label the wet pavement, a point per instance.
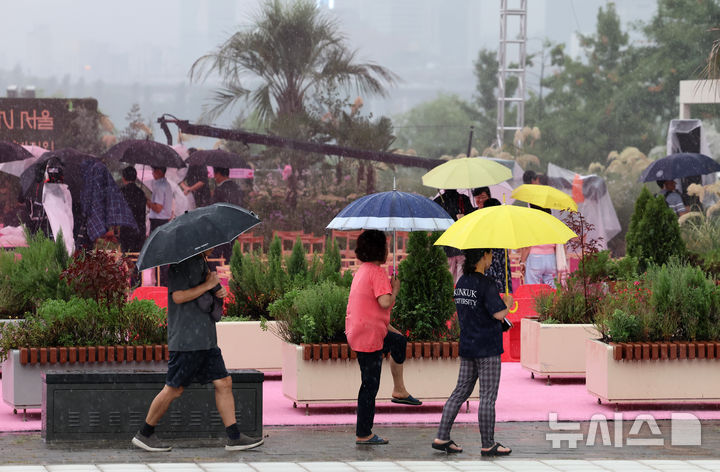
(307, 448)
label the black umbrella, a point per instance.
(217, 158)
(195, 232)
(151, 153)
(675, 166)
(10, 151)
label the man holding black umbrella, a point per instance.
(194, 293)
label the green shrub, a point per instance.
(425, 302)
(256, 282)
(315, 314)
(568, 304)
(685, 302)
(623, 327)
(36, 275)
(654, 234)
(673, 302)
(297, 268)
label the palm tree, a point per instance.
(294, 50)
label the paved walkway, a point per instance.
(332, 448)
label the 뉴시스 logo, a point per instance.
(685, 430)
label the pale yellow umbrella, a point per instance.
(544, 196)
(466, 172)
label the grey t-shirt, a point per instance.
(189, 328)
(674, 201)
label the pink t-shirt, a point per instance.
(543, 249)
(366, 321)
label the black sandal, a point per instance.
(493, 451)
(447, 447)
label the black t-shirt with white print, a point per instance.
(476, 299)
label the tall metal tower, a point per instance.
(515, 48)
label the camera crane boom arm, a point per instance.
(278, 141)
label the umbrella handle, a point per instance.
(514, 308)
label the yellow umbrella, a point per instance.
(505, 226)
(544, 196)
(466, 172)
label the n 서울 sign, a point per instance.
(44, 122)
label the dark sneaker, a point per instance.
(151, 443)
(243, 443)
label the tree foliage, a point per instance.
(425, 302)
(654, 234)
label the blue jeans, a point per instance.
(541, 269)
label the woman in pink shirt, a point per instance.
(369, 333)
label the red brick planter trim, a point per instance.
(666, 350)
(91, 354)
(415, 350)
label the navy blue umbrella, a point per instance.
(676, 166)
(392, 211)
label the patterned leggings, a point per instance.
(487, 369)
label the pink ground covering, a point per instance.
(520, 399)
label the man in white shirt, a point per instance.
(160, 206)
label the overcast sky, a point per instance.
(156, 41)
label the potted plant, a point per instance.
(319, 367)
(246, 334)
(554, 343)
(93, 326)
(659, 339)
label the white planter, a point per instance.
(3, 321)
(333, 381)
(245, 345)
(554, 349)
(22, 384)
(627, 381)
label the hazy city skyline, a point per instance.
(94, 48)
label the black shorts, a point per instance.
(185, 367)
(395, 344)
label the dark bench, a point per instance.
(108, 405)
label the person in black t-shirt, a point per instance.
(196, 184)
(456, 205)
(481, 312)
(132, 239)
(226, 191)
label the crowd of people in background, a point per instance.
(159, 208)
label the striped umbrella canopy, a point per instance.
(392, 211)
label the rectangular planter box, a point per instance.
(627, 381)
(245, 345)
(331, 381)
(22, 384)
(3, 321)
(554, 349)
(106, 405)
